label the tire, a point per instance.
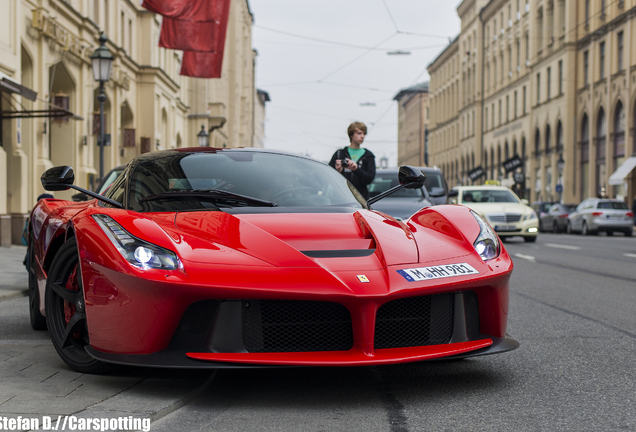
(584, 230)
(629, 233)
(66, 313)
(38, 321)
(530, 239)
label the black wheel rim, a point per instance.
(67, 320)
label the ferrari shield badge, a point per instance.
(363, 278)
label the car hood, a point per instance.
(360, 239)
(488, 208)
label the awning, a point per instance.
(623, 171)
(10, 85)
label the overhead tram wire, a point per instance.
(343, 44)
(397, 29)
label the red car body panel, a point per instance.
(262, 256)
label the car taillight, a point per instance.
(595, 214)
(563, 216)
(629, 214)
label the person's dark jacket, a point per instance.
(365, 173)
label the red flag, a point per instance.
(202, 64)
(192, 36)
(189, 10)
(198, 27)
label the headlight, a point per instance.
(141, 254)
(487, 243)
(529, 216)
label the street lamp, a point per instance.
(560, 165)
(203, 137)
(102, 61)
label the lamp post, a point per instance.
(560, 165)
(203, 137)
(102, 61)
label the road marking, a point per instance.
(560, 246)
(525, 257)
(630, 255)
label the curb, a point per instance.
(13, 293)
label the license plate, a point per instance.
(437, 272)
(615, 216)
(505, 227)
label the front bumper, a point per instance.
(522, 228)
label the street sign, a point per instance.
(512, 164)
(476, 173)
(559, 188)
(519, 177)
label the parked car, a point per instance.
(435, 184)
(401, 204)
(507, 214)
(208, 258)
(596, 215)
(541, 208)
(556, 218)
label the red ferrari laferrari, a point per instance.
(209, 258)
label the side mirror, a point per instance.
(411, 178)
(61, 178)
(453, 193)
(58, 178)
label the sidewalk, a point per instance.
(35, 382)
(13, 274)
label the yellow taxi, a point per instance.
(508, 215)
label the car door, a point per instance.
(575, 216)
(548, 219)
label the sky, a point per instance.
(325, 64)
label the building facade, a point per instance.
(50, 107)
(554, 83)
(413, 118)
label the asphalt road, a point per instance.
(571, 307)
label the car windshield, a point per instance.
(612, 205)
(384, 182)
(434, 182)
(488, 196)
(226, 179)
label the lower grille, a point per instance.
(296, 326)
(415, 321)
(194, 326)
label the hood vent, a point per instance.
(347, 253)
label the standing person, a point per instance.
(355, 163)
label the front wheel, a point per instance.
(65, 311)
(38, 321)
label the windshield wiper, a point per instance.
(213, 195)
